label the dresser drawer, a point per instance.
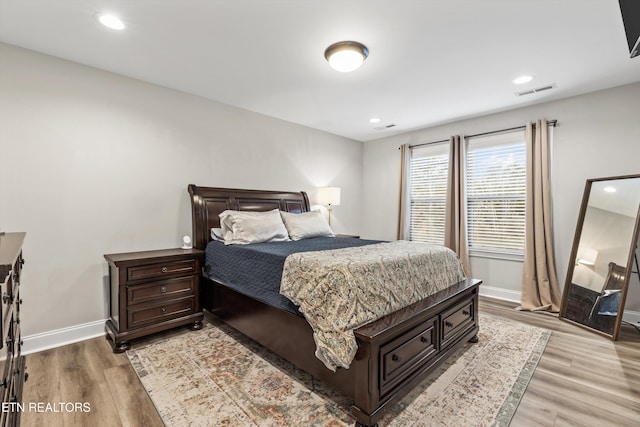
(6, 309)
(405, 354)
(139, 316)
(6, 360)
(7, 365)
(169, 289)
(457, 321)
(151, 271)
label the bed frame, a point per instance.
(395, 353)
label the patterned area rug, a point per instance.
(218, 377)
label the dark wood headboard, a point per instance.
(208, 202)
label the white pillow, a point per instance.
(307, 224)
(243, 227)
(216, 234)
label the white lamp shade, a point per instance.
(329, 196)
(589, 257)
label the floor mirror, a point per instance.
(603, 255)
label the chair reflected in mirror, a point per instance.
(608, 302)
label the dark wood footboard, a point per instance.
(395, 353)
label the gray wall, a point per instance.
(95, 163)
(598, 136)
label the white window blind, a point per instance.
(428, 190)
(496, 186)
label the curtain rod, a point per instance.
(551, 123)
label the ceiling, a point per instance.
(624, 200)
(430, 62)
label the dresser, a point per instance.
(12, 365)
(152, 291)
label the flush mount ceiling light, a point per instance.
(110, 21)
(346, 56)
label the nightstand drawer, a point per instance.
(170, 289)
(150, 271)
(138, 317)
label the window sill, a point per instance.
(504, 256)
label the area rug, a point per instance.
(218, 377)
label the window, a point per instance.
(428, 192)
(496, 189)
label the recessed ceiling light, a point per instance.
(346, 56)
(111, 21)
(523, 79)
(374, 120)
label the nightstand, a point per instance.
(152, 291)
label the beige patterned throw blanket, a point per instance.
(340, 290)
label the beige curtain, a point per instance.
(539, 281)
(455, 227)
(405, 154)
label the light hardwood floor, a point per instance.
(583, 380)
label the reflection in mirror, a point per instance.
(603, 250)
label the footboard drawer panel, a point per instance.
(457, 321)
(402, 356)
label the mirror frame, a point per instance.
(574, 254)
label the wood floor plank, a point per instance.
(132, 402)
(583, 379)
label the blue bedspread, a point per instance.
(256, 269)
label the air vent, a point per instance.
(536, 90)
(384, 127)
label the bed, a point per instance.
(394, 353)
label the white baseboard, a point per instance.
(631, 317)
(59, 337)
(499, 293)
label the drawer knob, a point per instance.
(163, 309)
(465, 312)
(163, 289)
(165, 269)
(5, 298)
(396, 358)
(424, 340)
(448, 324)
